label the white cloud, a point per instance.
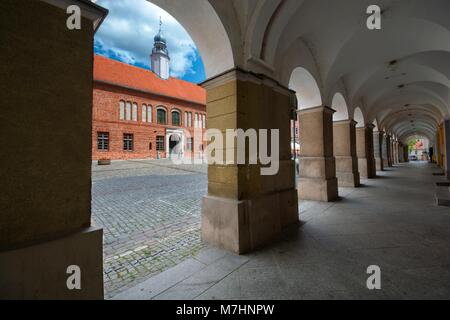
(130, 28)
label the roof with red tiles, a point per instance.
(124, 75)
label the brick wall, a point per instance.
(106, 118)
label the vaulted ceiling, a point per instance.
(398, 76)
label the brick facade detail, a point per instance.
(107, 95)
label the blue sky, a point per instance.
(127, 36)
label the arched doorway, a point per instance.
(172, 213)
(175, 145)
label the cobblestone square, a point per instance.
(150, 213)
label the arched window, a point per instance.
(196, 120)
(204, 121)
(122, 110)
(149, 114)
(128, 112)
(186, 119)
(176, 118)
(135, 112)
(161, 116)
(144, 113)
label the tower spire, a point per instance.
(160, 55)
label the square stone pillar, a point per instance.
(45, 143)
(389, 150)
(378, 137)
(245, 209)
(393, 147)
(366, 159)
(344, 145)
(318, 180)
(447, 148)
(406, 153)
(397, 152)
(385, 151)
(394, 152)
(401, 155)
(441, 146)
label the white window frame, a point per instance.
(144, 113)
(122, 110)
(134, 114)
(128, 111)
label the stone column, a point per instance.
(373, 164)
(244, 208)
(441, 146)
(385, 151)
(366, 159)
(45, 143)
(401, 155)
(317, 164)
(344, 145)
(435, 148)
(389, 150)
(395, 153)
(378, 137)
(447, 148)
(406, 153)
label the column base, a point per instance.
(385, 163)
(347, 172)
(242, 226)
(39, 271)
(379, 164)
(348, 179)
(366, 168)
(318, 189)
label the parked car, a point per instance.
(413, 157)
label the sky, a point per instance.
(127, 36)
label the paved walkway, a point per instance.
(391, 222)
(150, 214)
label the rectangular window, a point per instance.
(190, 144)
(144, 113)
(161, 116)
(196, 120)
(122, 110)
(160, 145)
(186, 121)
(128, 142)
(135, 112)
(103, 141)
(149, 114)
(128, 112)
(176, 118)
(204, 121)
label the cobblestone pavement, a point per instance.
(150, 213)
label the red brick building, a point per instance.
(138, 115)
